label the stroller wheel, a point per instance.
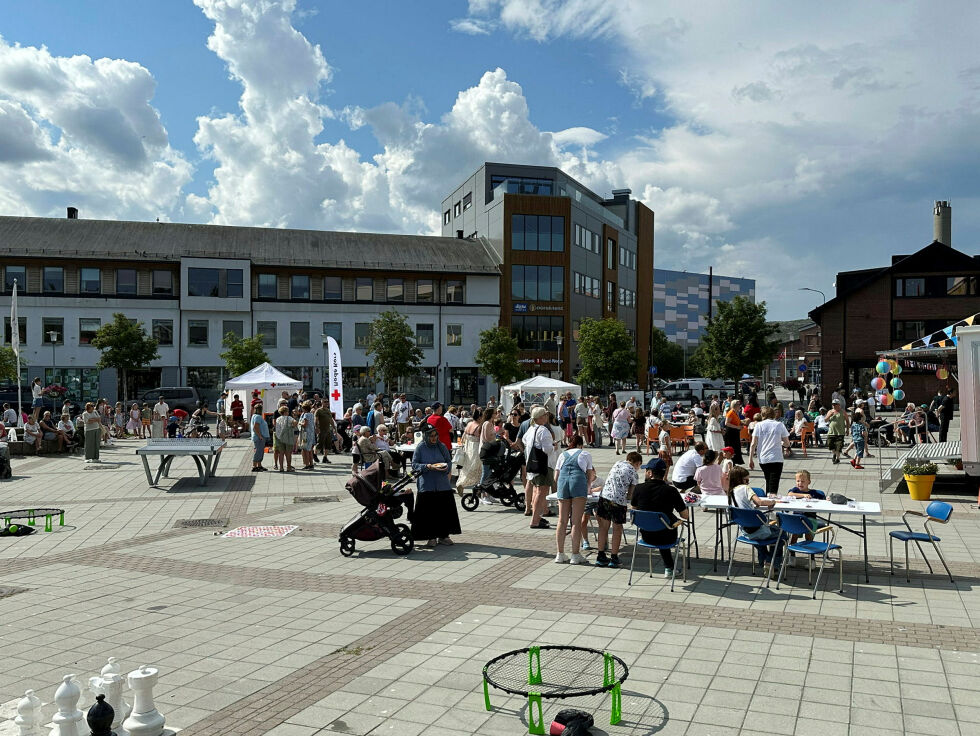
(402, 542)
(469, 501)
(507, 500)
(519, 502)
(346, 546)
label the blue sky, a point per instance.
(783, 144)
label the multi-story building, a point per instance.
(798, 344)
(681, 302)
(192, 284)
(566, 254)
(881, 308)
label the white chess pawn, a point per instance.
(68, 717)
(27, 714)
(112, 668)
(145, 720)
(112, 688)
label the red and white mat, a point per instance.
(260, 532)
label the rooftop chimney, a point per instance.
(73, 213)
(942, 223)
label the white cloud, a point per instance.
(579, 136)
(471, 26)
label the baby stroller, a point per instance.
(383, 503)
(504, 464)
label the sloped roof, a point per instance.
(159, 241)
(789, 330)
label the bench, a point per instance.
(204, 452)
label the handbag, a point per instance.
(537, 462)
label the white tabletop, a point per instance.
(855, 508)
(405, 448)
(714, 502)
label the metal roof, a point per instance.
(164, 241)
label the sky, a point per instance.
(777, 141)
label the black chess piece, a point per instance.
(100, 718)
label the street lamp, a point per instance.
(326, 370)
(559, 339)
(53, 337)
(807, 288)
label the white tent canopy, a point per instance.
(536, 390)
(267, 380)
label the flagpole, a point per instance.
(15, 344)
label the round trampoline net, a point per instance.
(555, 671)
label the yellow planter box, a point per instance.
(920, 486)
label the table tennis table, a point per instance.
(205, 453)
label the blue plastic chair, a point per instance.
(749, 519)
(937, 511)
(655, 521)
(790, 524)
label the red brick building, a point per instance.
(881, 308)
(799, 344)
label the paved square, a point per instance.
(286, 636)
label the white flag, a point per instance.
(14, 326)
(335, 379)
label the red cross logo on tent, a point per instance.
(335, 395)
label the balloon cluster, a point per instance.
(893, 387)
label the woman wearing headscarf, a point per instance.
(435, 516)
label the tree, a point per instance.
(737, 340)
(607, 353)
(242, 354)
(667, 356)
(8, 365)
(125, 346)
(497, 356)
(394, 347)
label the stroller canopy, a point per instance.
(270, 382)
(536, 391)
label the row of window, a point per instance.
(586, 285)
(220, 282)
(333, 289)
(521, 185)
(585, 238)
(627, 298)
(936, 286)
(537, 283)
(89, 280)
(627, 258)
(461, 206)
(537, 332)
(537, 232)
(908, 330)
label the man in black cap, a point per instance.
(656, 494)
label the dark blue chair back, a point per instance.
(651, 521)
(939, 510)
(747, 517)
(819, 495)
(794, 524)
(759, 492)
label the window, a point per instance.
(534, 332)
(910, 287)
(299, 334)
(90, 281)
(467, 201)
(87, 327)
(268, 286)
(520, 185)
(627, 258)
(537, 232)
(364, 289)
(538, 283)
(454, 335)
(610, 296)
(162, 283)
(125, 280)
(586, 285)
(54, 280)
(21, 325)
(163, 331)
(234, 326)
(595, 242)
(446, 217)
(333, 288)
(961, 285)
(334, 330)
(627, 298)
(14, 273)
(457, 209)
(454, 292)
(909, 330)
(610, 253)
(424, 291)
(268, 331)
(587, 239)
(197, 332)
(395, 290)
(362, 335)
(425, 336)
(52, 330)
(220, 282)
(299, 286)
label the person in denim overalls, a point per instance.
(573, 490)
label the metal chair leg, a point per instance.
(908, 578)
(650, 562)
(840, 568)
(943, 560)
(731, 559)
(923, 553)
(782, 570)
(891, 555)
(629, 580)
(823, 561)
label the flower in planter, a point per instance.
(916, 467)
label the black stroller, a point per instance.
(383, 503)
(504, 464)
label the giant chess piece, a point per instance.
(100, 717)
(67, 719)
(112, 687)
(28, 712)
(145, 720)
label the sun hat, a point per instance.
(537, 412)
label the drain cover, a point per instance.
(183, 523)
(315, 499)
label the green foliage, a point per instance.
(497, 356)
(393, 345)
(125, 346)
(242, 354)
(918, 467)
(8, 364)
(667, 356)
(737, 341)
(607, 353)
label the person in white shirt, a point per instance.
(655, 402)
(769, 437)
(371, 397)
(161, 411)
(9, 416)
(686, 465)
(539, 436)
(402, 414)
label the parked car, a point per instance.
(176, 397)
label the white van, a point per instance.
(688, 390)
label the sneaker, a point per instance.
(601, 560)
(586, 545)
(561, 558)
(668, 572)
(613, 561)
(578, 559)
(488, 499)
(446, 541)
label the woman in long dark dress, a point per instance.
(435, 516)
